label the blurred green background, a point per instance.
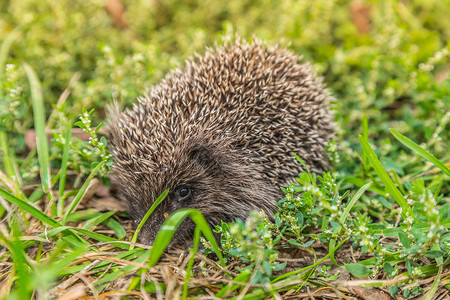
(386, 59)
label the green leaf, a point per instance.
(280, 266)
(300, 218)
(295, 243)
(358, 270)
(79, 124)
(267, 267)
(445, 238)
(21, 264)
(313, 266)
(277, 221)
(393, 290)
(305, 245)
(419, 150)
(39, 125)
(433, 253)
(98, 127)
(388, 269)
(404, 239)
(360, 182)
(390, 186)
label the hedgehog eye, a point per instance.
(184, 193)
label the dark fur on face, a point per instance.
(219, 134)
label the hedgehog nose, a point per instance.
(146, 239)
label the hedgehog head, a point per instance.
(200, 172)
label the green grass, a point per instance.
(382, 213)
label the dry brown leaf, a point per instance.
(106, 204)
(30, 136)
(116, 10)
(360, 15)
(370, 293)
(74, 292)
(90, 191)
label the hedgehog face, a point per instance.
(193, 181)
(207, 177)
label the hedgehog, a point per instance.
(219, 133)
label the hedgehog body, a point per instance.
(220, 133)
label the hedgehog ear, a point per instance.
(203, 155)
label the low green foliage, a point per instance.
(386, 197)
(311, 201)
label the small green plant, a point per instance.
(99, 150)
(252, 242)
(423, 229)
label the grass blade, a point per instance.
(39, 125)
(359, 182)
(191, 262)
(97, 220)
(116, 227)
(81, 191)
(379, 169)
(344, 215)
(287, 276)
(100, 284)
(419, 150)
(8, 161)
(21, 264)
(29, 208)
(62, 182)
(4, 49)
(96, 236)
(68, 236)
(365, 125)
(147, 214)
(169, 227)
(352, 202)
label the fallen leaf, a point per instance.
(360, 15)
(370, 293)
(106, 204)
(30, 136)
(116, 10)
(75, 292)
